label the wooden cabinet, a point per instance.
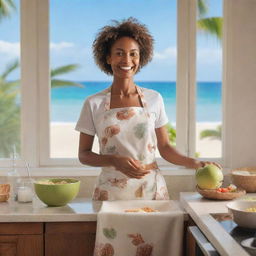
(189, 241)
(70, 238)
(196, 243)
(21, 239)
(47, 239)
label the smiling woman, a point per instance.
(66, 102)
(130, 123)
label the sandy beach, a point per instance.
(64, 141)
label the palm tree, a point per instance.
(60, 71)
(6, 7)
(211, 133)
(10, 108)
(209, 25)
(212, 26)
(172, 134)
(10, 112)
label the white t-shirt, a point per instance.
(94, 107)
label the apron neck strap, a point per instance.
(139, 91)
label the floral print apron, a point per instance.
(130, 132)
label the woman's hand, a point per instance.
(200, 164)
(129, 166)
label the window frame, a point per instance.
(35, 85)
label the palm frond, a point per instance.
(60, 83)
(212, 26)
(202, 7)
(9, 68)
(172, 134)
(64, 69)
(6, 7)
(210, 133)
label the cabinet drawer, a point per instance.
(19, 228)
(70, 227)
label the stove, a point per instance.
(243, 236)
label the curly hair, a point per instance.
(108, 35)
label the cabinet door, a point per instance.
(21, 239)
(70, 238)
(8, 245)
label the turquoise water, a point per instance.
(67, 101)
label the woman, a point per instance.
(128, 120)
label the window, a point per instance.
(75, 76)
(56, 44)
(209, 80)
(10, 93)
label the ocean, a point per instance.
(66, 102)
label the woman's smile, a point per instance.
(124, 57)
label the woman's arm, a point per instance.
(86, 156)
(170, 154)
(130, 167)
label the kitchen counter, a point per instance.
(83, 210)
(200, 210)
(80, 209)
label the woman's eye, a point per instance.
(119, 54)
(134, 54)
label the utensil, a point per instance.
(28, 172)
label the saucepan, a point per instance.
(244, 213)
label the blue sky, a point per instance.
(74, 24)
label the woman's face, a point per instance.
(124, 57)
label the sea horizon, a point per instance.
(67, 102)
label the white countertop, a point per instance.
(80, 209)
(200, 209)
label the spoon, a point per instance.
(27, 167)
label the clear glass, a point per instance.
(13, 176)
(9, 77)
(209, 80)
(25, 190)
(73, 26)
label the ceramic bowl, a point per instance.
(240, 216)
(57, 191)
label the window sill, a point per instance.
(94, 172)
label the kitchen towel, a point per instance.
(121, 233)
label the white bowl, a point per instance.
(241, 217)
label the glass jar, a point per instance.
(25, 191)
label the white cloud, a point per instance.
(9, 50)
(167, 53)
(60, 46)
(209, 56)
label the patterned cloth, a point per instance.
(139, 234)
(128, 132)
